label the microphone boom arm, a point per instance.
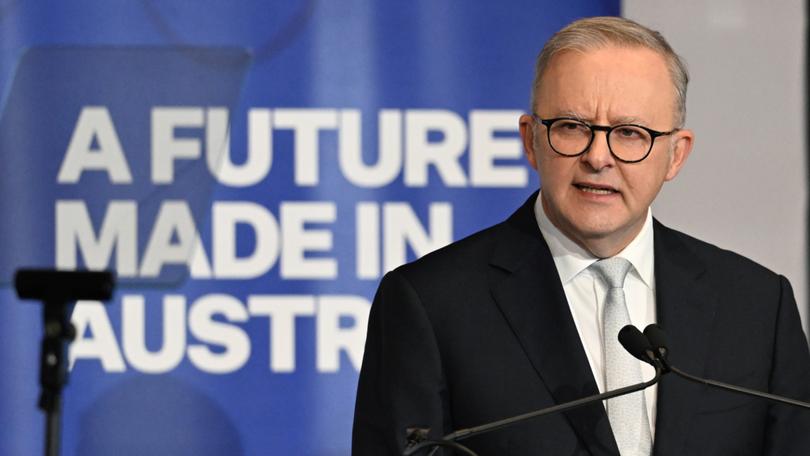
(656, 336)
(489, 427)
(738, 389)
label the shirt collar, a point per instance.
(571, 259)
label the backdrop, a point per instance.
(745, 186)
(250, 170)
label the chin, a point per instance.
(594, 227)
(602, 240)
(588, 224)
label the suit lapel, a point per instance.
(686, 307)
(527, 289)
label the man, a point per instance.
(525, 314)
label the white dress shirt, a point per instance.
(585, 292)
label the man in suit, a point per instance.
(524, 315)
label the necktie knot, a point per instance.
(612, 270)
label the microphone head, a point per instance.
(636, 343)
(657, 338)
(63, 286)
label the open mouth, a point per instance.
(597, 190)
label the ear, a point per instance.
(527, 131)
(681, 147)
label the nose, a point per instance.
(598, 155)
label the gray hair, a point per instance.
(598, 32)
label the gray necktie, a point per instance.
(628, 413)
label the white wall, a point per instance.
(744, 187)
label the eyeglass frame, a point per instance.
(654, 134)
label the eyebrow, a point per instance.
(616, 121)
(627, 120)
(573, 115)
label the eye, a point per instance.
(628, 132)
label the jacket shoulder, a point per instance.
(714, 258)
(459, 258)
(468, 258)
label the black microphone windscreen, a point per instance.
(63, 286)
(656, 336)
(635, 342)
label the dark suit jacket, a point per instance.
(481, 330)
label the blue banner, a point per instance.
(250, 171)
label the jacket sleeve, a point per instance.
(401, 381)
(789, 427)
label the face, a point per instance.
(597, 201)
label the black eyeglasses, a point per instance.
(628, 143)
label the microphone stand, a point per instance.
(418, 436)
(58, 291)
(59, 331)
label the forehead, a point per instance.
(608, 83)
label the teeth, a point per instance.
(598, 191)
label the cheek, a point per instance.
(644, 184)
(553, 173)
(555, 167)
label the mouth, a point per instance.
(596, 189)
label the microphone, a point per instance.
(59, 286)
(657, 338)
(58, 290)
(633, 341)
(637, 345)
